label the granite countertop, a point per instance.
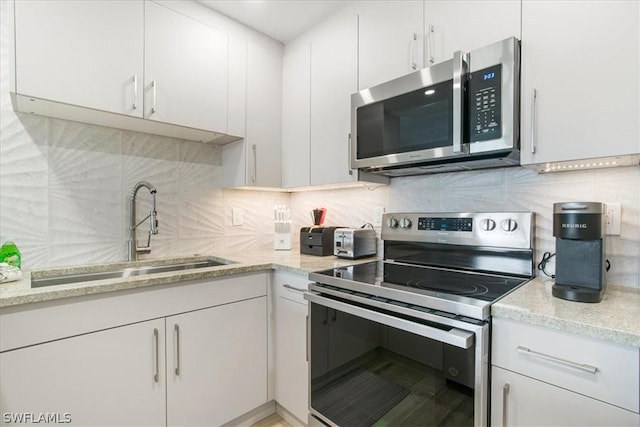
(20, 292)
(615, 319)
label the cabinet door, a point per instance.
(334, 54)
(112, 377)
(517, 400)
(216, 363)
(291, 367)
(237, 93)
(468, 24)
(264, 112)
(88, 54)
(581, 59)
(296, 114)
(185, 70)
(390, 40)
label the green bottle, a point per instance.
(10, 254)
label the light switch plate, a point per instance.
(236, 216)
(377, 216)
(613, 212)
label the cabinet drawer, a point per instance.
(291, 286)
(605, 371)
(26, 325)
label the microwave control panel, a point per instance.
(485, 121)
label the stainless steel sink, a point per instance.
(122, 273)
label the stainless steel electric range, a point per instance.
(405, 341)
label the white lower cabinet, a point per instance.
(190, 354)
(518, 400)
(112, 377)
(291, 385)
(216, 363)
(543, 377)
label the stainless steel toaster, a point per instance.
(354, 242)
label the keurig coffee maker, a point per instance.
(580, 251)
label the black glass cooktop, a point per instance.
(428, 280)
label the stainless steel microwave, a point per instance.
(459, 114)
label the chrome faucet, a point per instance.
(134, 249)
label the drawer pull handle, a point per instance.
(533, 121)
(156, 358)
(581, 366)
(505, 400)
(135, 91)
(176, 328)
(293, 288)
(154, 87)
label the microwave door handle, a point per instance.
(459, 76)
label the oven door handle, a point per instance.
(454, 336)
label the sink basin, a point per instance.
(121, 273)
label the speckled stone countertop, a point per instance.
(616, 318)
(20, 292)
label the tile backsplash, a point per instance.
(64, 189)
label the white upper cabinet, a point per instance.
(390, 40)
(237, 90)
(139, 65)
(296, 114)
(580, 58)
(466, 25)
(334, 53)
(81, 53)
(319, 76)
(264, 112)
(256, 160)
(185, 70)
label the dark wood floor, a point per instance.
(431, 400)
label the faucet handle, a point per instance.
(153, 219)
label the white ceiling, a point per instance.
(283, 20)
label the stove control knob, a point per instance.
(405, 223)
(392, 222)
(488, 224)
(509, 225)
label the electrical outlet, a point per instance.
(236, 216)
(613, 212)
(377, 216)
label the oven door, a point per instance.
(379, 365)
